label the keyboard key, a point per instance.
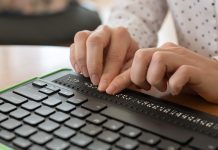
(57, 144)
(96, 119)
(48, 126)
(22, 143)
(130, 131)
(97, 145)
(80, 113)
(145, 147)
(11, 124)
(91, 130)
(186, 148)
(113, 125)
(109, 137)
(3, 117)
(13, 98)
(66, 93)
(77, 101)
(31, 105)
(6, 108)
(25, 131)
(127, 144)
(6, 135)
(75, 148)
(75, 123)
(168, 145)
(81, 140)
(94, 106)
(59, 117)
(65, 107)
(204, 143)
(19, 113)
(46, 91)
(53, 88)
(44, 111)
(64, 132)
(178, 134)
(39, 84)
(30, 93)
(36, 147)
(33, 119)
(52, 101)
(149, 139)
(41, 138)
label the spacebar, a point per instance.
(139, 120)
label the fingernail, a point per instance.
(95, 79)
(85, 72)
(111, 90)
(103, 85)
(76, 67)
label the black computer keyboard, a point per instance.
(69, 113)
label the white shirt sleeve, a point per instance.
(142, 18)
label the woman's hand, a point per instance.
(170, 66)
(102, 54)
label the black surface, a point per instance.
(96, 120)
(52, 29)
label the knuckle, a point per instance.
(81, 35)
(185, 69)
(158, 57)
(114, 58)
(139, 55)
(121, 31)
(168, 44)
(104, 28)
(94, 40)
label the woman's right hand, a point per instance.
(102, 54)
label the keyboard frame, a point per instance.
(49, 78)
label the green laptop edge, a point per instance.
(34, 78)
(2, 146)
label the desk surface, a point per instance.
(19, 63)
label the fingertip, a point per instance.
(95, 79)
(103, 85)
(77, 69)
(111, 90)
(85, 72)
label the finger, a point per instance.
(119, 83)
(96, 43)
(184, 75)
(139, 67)
(72, 57)
(168, 45)
(80, 51)
(115, 56)
(127, 65)
(162, 64)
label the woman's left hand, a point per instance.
(170, 66)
